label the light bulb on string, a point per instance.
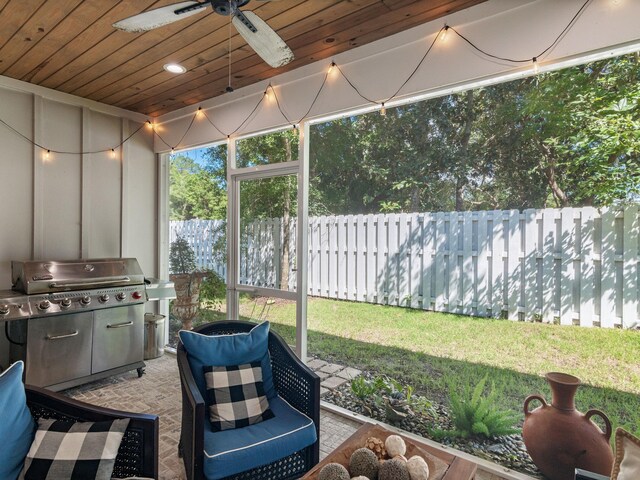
(295, 129)
(268, 94)
(199, 112)
(173, 151)
(149, 125)
(113, 153)
(444, 32)
(333, 70)
(535, 64)
(46, 155)
(383, 110)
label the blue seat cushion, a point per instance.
(17, 427)
(233, 451)
(227, 350)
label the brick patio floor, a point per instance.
(158, 392)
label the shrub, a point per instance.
(474, 414)
(213, 290)
(182, 259)
(363, 388)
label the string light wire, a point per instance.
(446, 28)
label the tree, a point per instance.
(194, 192)
(588, 128)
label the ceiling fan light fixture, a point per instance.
(174, 68)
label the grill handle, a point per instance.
(65, 335)
(120, 325)
(88, 283)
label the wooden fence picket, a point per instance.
(576, 265)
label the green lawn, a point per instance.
(432, 351)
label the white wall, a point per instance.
(73, 206)
(509, 28)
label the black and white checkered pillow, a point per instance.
(236, 396)
(81, 450)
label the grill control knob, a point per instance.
(65, 303)
(4, 309)
(121, 296)
(104, 298)
(44, 305)
(86, 300)
(136, 295)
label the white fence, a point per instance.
(572, 265)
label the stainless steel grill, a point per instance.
(77, 321)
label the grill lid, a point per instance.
(44, 276)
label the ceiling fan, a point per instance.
(260, 36)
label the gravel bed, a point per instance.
(508, 451)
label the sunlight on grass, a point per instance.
(436, 351)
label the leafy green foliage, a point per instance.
(181, 256)
(363, 388)
(476, 415)
(213, 291)
(197, 191)
(383, 386)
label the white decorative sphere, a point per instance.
(360, 477)
(418, 468)
(395, 446)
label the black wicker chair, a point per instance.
(138, 453)
(294, 382)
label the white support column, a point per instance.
(85, 247)
(122, 154)
(233, 234)
(37, 250)
(162, 162)
(302, 242)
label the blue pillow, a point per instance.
(227, 350)
(17, 427)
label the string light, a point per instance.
(270, 94)
(443, 33)
(295, 129)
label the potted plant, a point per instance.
(187, 280)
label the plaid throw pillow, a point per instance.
(236, 396)
(69, 451)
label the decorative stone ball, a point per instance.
(393, 469)
(376, 446)
(359, 477)
(395, 446)
(418, 468)
(364, 463)
(334, 471)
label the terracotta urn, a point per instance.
(560, 439)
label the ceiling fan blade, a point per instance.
(160, 16)
(262, 38)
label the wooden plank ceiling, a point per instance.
(70, 45)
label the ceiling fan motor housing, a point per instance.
(227, 7)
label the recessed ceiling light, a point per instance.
(174, 68)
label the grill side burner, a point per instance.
(76, 321)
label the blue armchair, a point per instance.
(280, 448)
